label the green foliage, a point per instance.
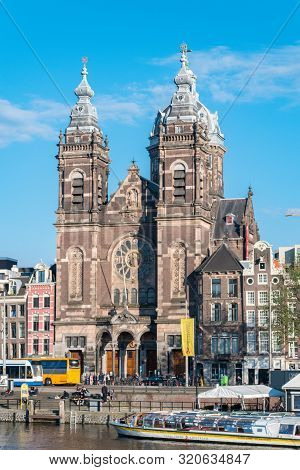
(286, 307)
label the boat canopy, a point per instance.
(241, 392)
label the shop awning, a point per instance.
(294, 383)
(241, 391)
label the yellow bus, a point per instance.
(59, 370)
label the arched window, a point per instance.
(179, 183)
(151, 296)
(134, 299)
(47, 301)
(125, 297)
(143, 296)
(77, 190)
(116, 297)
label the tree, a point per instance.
(286, 308)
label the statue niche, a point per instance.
(178, 270)
(75, 274)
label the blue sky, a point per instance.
(133, 56)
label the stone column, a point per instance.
(113, 348)
(137, 349)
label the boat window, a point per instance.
(286, 429)
(158, 423)
(148, 422)
(139, 422)
(297, 430)
(170, 423)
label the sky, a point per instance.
(246, 56)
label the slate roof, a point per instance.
(229, 206)
(221, 260)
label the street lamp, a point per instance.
(4, 333)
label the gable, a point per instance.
(221, 261)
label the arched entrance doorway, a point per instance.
(105, 362)
(148, 355)
(127, 355)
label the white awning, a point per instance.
(293, 383)
(241, 391)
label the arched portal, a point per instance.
(148, 354)
(105, 365)
(127, 355)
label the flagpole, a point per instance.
(186, 357)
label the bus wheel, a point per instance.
(48, 381)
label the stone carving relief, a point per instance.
(132, 199)
(75, 274)
(178, 269)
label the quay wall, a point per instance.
(79, 417)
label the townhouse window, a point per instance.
(36, 302)
(214, 345)
(14, 350)
(177, 341)
(35, 346)
(233, 312)
(235, 344)
(47, 301)
(216, 288)
(224, 345)
(170, 341)
(250, 298)
(35, 323)
(250, 318)
(262, 278)
(81, 341)
(22, 349)
(22, 330)
(216, 312)
(47, 323)
(263, 297)
(262, 266)
(263, 342)
(263, 317)
(68, 341)
(179, 183)
(13, 311)
(74, 341)
(233, 287)
(46, 346)
(276, 346)
(13, 330)
(251, 342)
(22, 310)
(293, 349)
(275, 294)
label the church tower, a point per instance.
(186, 153)
(83, 167)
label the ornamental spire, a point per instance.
(83, 114)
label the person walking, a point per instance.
(104, 391)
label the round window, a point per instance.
(275, 280)
(250, 281)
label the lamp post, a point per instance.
(4, 333)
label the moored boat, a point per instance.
(281, 430)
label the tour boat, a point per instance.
(242, 429)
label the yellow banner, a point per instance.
(187, 336)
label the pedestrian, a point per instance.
(104, 391)
(91, 379)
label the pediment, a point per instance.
(123, 318)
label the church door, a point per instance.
(178, 362)
(130, 363)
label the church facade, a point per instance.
(128, 265)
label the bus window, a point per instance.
(12, 372)
(22, 372)
(73, 363)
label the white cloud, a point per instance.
(38, 120)
(224, 72)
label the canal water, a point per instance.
(65, 437)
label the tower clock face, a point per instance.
(133, 259)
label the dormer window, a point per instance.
(229, 219)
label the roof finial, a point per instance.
(184, 50)
(250, 192)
